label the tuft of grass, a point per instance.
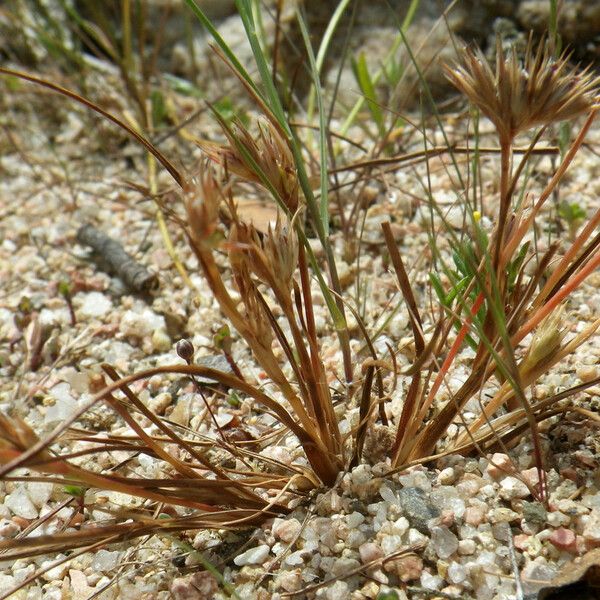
(487, 298)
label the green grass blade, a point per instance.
(199, 14)
(378, 74)
(367, 87)
(272, 98)
(322, 52)
(245, 10)
(323, 156)
(432, 103)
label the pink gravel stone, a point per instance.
(407, 568)
(500, 465)
(521, 541)
(570, 473)
(474, 515)
(370, 552)
(564, 539)
(531, 476)
(447, 518)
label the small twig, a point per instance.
(133, 274)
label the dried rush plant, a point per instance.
(223, 481)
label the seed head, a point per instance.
(281, 249)
(267, 155)
(272, 257)
(517, 96)
(202, 198)
(547, 339)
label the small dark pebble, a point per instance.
(416, 508)
(534, 512)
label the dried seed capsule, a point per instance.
(185, 350)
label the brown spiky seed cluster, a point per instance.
(518, 96)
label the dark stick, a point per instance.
(134, 275)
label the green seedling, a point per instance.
(573, 214)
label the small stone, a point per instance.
(511, 488)
(416, 539)
(390, 543)
(369, 552)
(534, 512)
(564, 491)
(407, 568)
(590, 501)
(447, 499)
(443, 542)
(487, 491)
(591, 531)
(294, 559)
(416, 508)
(501, 532)
(81, 590)
(95, 304)
(253, 556)
(290, 581)
(416, 479)
(55, 573)
(457, 574)
(431, 582)
(388, 495)
(586, 458)
(558, 519)
(339, 589)
(78, 380)
(344, 566)
(39, 492)
(160, 403)
(198, 586)
(105, 560)
(500, 464)
(161, 342)
(531, 476)
(8, 529)
(452, 591)
(355, 538)
(400, 526)
(466, 547)
(586, 373)
(21, 505)
(52, 592)
(564, 539)
(286, 529)
(474, 515)
(361, 477)
(503, 515)
(141, 324)
(469, 486)
(536, 575)
(6, 581)
(354, 519)
(64, 404)
(455, 217)
(521, 541)
(447, 476)
(570, 473)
